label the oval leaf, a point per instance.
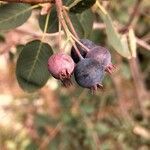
(86, 19)
(118, 42)
(31, 70)
(53, 25)
(14, 15)
(77, 25)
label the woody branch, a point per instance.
(29, 1)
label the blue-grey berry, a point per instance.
(103, 56)
(89, 73)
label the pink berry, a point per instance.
(61, 67)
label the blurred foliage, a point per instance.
(56, 118)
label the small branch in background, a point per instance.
(30, 127)
(51, 135)
(143, 44)
(29, 1)
(34, 34)
(142, 132)
(29, 32)
(11, 39)
(5, 47)
(133, 16)
(125, 102)
(140, 89)
(146, 37)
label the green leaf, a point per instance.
(82, 23)
(77, 25)
(118, 42)
(53, 24)
(19, 49)
(31, 69)
(98, 36)
(86, 19)
(14, 15)
(78, 6)
(115, 39)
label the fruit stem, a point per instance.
(75, 36)
(76, 49)
(87, 49)
(74, 3)
(59, 7)
(60, 14)
(46, 26)
(70, 23)
(59, 37)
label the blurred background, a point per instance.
(56, 118)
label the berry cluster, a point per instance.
(89, 70)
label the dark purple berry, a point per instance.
(103, 56)
(89, 44)
(61, 67)
(89, 73)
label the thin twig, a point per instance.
(11, 39)
(59, 37)
(80, 43)
(46, 26)
(133, 15)
(146, 37)
(143, 44)
(51, 136)
(94, 135)
(76, 49)
(5, 47)
(29, 1)
(138, 83)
